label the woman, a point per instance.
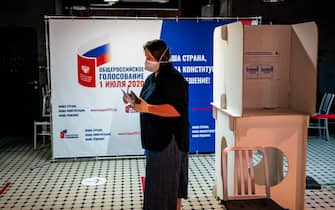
(164, 130)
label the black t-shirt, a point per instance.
(169, 87)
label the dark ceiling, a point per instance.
(284, 11)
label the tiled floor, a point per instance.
(33, 182)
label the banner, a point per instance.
(91, 60)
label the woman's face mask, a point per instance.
(153, 66)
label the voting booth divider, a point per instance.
(264, 90)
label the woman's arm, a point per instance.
(163, 110)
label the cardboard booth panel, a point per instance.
(265, 67)
(287, 133)
(227, 66)
(264, 91)
(303, 76)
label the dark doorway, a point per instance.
(19, 91)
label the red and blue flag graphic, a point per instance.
(88, 61)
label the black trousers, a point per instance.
(166, 178)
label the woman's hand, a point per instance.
(125, 99)
(143, 106)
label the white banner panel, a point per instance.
(90, 61)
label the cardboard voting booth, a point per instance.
(264, 90)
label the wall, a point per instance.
(28, 14)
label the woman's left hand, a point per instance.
(141, 107)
